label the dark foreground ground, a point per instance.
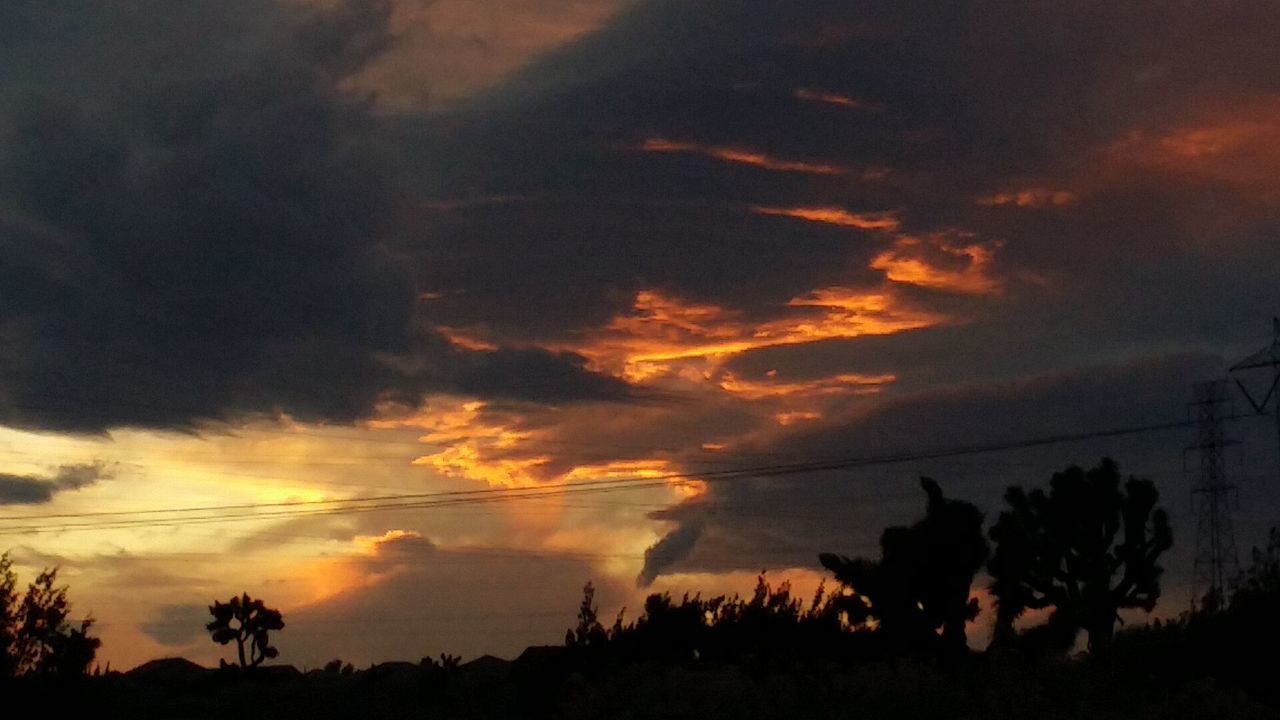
(1151, 676)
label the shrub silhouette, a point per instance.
(337, 667)
(245, 620)
(917, 594)
(771, 627)
(1064, 549)
(36, 637)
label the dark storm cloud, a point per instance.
(670, 549)
(39, 489)
(1123, 247)
(177, 625)
(782, 522)
(197, 223)
(961, 102)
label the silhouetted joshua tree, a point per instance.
(921, 583)
(245, 620)
(1085, 549)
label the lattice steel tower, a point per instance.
(1268, 358)
(1216, 563)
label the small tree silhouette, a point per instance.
(920, 586)
(245, 620)
(589, 633)
(1063, 550)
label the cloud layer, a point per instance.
(40, 489)
(220, 240)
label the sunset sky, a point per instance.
(547, 273)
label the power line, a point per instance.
(308, 508)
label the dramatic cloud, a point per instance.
(559, 242)
(880, 211)
(219, 240)
(446, 51)
(667, 551)
(1102, 143)
(40, 489)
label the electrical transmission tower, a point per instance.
(1268, 358)
(1216, 563)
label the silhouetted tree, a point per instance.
(245, 620)
(1259, 587)
(589, 632)
(1087, 549)
(917, 594)
(35, 634)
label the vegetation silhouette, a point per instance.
(1086, 550)
(37, 637)
(246, 621)
(917, 594)
(769, 628)
(889, 642)
(1230, 644)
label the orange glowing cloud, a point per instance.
(477, 443)
(945, 261)
(796, 416)
(468, 459)
(741, 156)
(848, 383)
(1238, 145)
(1031, 198)
(666, 337)
(835, 216)
(1221, 138)
(518, 448)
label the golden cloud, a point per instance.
(660, 331)
(843, 384)
(950, 262)
(835, 216)
(795, 416)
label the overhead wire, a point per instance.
(307, 508)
